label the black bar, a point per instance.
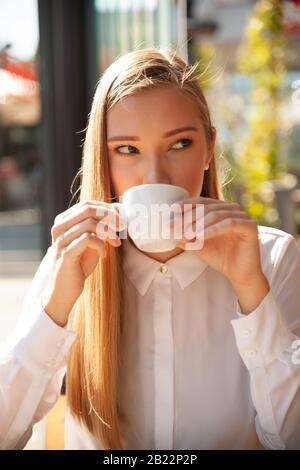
(136, 458)
(67, 75)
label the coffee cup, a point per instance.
(145, 209)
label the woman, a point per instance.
(175, 350)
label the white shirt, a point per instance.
(197, 373)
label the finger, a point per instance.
(88, 225)
(186, 204)
(112, 218)
(230, 225)
(221, 227)
(214, 217)
(199, 199)
(77, 247)
(82, 212)
(189, 217)
(75, 207)
(106, 233)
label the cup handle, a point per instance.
(121, 209)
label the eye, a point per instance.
(187, 143)
(124, 147)
(131, 150)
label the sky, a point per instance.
(19, 26)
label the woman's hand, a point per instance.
(230, 239)
(79, 238)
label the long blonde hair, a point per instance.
(92, 384)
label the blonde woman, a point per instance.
(174, 350)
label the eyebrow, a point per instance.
(167, 134)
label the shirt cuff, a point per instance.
(262, 335)
(42, 344)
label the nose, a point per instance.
(155, 171)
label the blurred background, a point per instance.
(52, 54)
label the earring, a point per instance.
(207, 167)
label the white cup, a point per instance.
(145, 209)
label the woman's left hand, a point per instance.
(230, 239)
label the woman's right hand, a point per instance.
(79, 237)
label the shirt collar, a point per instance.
(141, 269)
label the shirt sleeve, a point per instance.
(32, 365)
(268, 340)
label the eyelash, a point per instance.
(128, 154)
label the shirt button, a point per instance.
(163, 268)
(247, 332)
(250, 353)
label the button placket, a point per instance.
(163, 362)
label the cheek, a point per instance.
(190, 175)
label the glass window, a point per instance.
(124, 25)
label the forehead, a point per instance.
(155, 107)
